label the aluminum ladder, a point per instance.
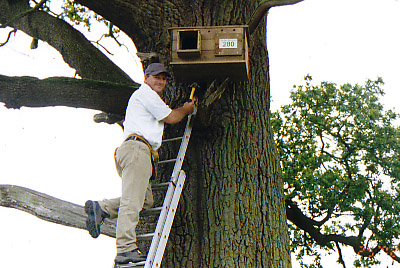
(170, 204)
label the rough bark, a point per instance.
(32, 92)
(54, 210)
(75, 49)
(148, 20)
(48, 208)
(240, 190)
(232, 212)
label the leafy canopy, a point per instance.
(76, 14)
(340, 159)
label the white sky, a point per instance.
(61, 152)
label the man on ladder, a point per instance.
(143, 130)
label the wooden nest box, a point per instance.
(207, 53)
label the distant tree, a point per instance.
(340, 160)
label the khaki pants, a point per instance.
(133, 162)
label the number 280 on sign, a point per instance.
(228, 43)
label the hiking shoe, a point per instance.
(95, 217)
(131, 256)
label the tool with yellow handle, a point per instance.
(192, 93)
(191, 98)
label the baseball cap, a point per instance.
(155, 68)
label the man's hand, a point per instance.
(179, 113)
(189, 106)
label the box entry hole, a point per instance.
(189, 40)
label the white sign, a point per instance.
(228, 43)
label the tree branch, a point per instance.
(108, 118)
(55, 210)
(91, 63)
(264, 7)
(8, 37)
(78, 93)
(138, 27)
(23, 14)
(48, 208)
(325, 219)
(295, 215)
(341, 261)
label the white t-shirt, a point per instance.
(144, 115)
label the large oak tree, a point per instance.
(233, 214)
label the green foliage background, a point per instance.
(340, 159)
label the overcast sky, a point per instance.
(61, 152)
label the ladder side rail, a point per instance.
(182, 150)
(168, 223)
(158, 231)
(160, 225)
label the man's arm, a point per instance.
(178, 114)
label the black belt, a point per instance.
(154, 154)
(134, 138)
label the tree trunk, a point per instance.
(232, 212)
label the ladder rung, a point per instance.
(173, 139)
(166, 161)
(160, 186)
(151, 211)
(145, 237)
(136, 264)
